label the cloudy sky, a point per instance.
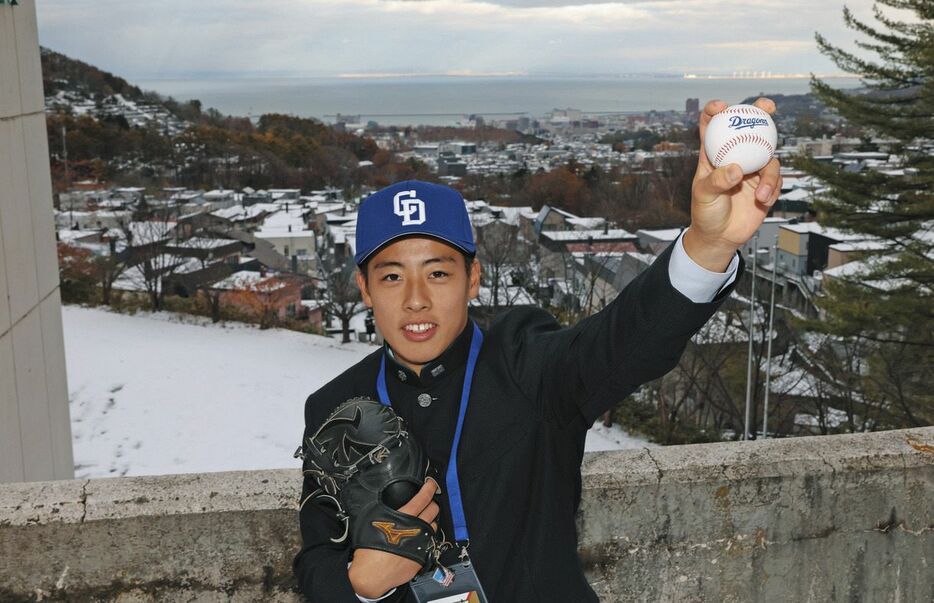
(178, 38)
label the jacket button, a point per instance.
(424, 400)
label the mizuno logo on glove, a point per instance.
(393, 535)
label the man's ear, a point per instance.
(364, 292)
(475, 271)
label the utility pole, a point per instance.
(752, 322)
(71, 202)
(768, 354)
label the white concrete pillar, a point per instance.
(35, 427)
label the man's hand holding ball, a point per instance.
(727, 204)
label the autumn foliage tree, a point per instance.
(560, 187)
(76, 271)
(267, 299)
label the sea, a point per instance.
(450, 100)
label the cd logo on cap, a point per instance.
(411, 210)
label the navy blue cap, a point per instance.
(408, 208)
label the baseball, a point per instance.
(741, 134)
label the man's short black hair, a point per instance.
(468, 261)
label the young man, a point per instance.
(527, 389)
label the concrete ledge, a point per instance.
(806, 519)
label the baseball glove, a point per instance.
(366, 465)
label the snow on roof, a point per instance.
(833, 417)
(68, 235)
(343, 218)
(189, 265)
(284, 223)
(202, 243)
(827, 231)
(863, 270)
(150, 232)
(663, 234)
(797, 194)
(112, 203)
(239, 212)
(248, 280)
(803, 227)
(645, 258)
(219, 193)
(507, 296)
(269, 207)
(482, 219)
(724, 329)
(134, 278)
(585, 235)
(866, 245)
(561, 212)
(330, 206)
(186, 195)
(587, 223)
(854, 270)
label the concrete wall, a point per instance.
(807, 519)
(35, 431)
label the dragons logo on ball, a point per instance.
(740, 123)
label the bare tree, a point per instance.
(212, 298)
(505, 258)
(148, 264)
(587, 284)
(108, 266)
(341, 297)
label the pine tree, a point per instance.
(886, 297)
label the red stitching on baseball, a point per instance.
(748, 110)
(731, 143)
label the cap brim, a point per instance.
(403, 235)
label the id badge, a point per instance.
(455, 583)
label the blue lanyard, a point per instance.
(454, 488)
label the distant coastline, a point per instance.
(447, 100)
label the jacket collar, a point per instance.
(449, 360)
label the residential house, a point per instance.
(655, 241)
(288, 233)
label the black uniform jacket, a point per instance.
(537, 388)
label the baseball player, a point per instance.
(503, 413)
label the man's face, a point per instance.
(419, 288)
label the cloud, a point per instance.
(558, 3)
(175, 38)
(765, 45)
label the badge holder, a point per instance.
(455, 583)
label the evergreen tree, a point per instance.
(886, 297)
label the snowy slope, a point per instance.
(157, 394)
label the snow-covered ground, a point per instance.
(613, 438)
(164, 393)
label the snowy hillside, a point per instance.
(150, 394)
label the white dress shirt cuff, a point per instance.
(694, 281)
(364, 599)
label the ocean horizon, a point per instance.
(438, 100)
